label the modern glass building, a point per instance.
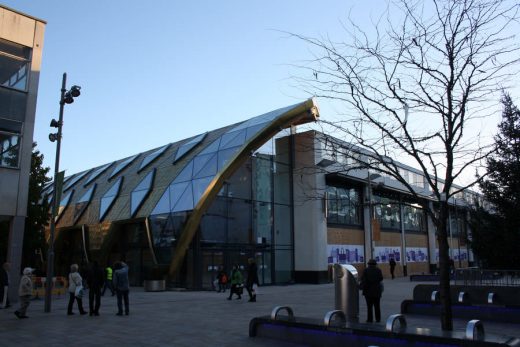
(294, 199)
(189, 207)
(21, 44)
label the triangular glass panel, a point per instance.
(199, 187)
(110, 196)
(141, 191)
(233, 139)
(163, 205)
(213, 147)
(253, 130)
(176, 191)
(185, 202)
(185, 174)
(185, 148)
(152, 156)
(96, 173)
(225, 155)
(122, 165)
(75, 179)
(209, 168)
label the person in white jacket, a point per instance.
(25, 293)
(75, 290)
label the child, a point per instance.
(25, 292)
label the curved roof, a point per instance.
(182, 176)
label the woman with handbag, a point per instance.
(75, 290)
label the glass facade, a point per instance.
(344, 206)
(188, 146)
(250, 217)
(74, 180)
(122, 165)
(83, 202)
(152, 156)
(96, 173)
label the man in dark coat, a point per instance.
(252, 279)
(371, 284)
(95, 280)
(392, 267)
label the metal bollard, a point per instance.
(346, 291)
(274, 312)
(329, 315)
(492, 298)
(390, 322)
(463, 297)
(435, 296)
(475, 330)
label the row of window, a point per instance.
(344, 207)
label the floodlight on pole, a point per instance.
(67, 97)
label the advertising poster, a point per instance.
(455, 253)
(345, 254)
(416, 254)
(383, 254)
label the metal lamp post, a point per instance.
(67, 97)
(371, 177)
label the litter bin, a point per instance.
(346, 291)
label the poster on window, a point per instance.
(455, 253)
(345, 254)
(416, 254)
(383, 254)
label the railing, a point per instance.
(478, 277)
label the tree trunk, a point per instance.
(444, 265)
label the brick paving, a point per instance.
(193, 318)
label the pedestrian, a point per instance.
(95, 280)
(75, 290)
(122, 287)
(392, 267)
(25, 293)
(372, 286)
(236, 283)
(222, 280)
(4, 285)
(108, 280)
(252, 279)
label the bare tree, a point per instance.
(414, 89)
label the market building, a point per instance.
(267, 187)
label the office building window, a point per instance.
(343, 206)
(9, 149)
(387, 211)
(414, 218)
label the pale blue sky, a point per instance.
(160, 71)
(157, 72)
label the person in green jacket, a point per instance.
(236, 280)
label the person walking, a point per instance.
(392, 267)
(95, 280)
(75, 290)
(25, 293)
(236, 283)
(222, 280)
(122, 287)
(108, 280)
(372, 286)
(4, 285)
(252, 279)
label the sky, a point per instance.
(161, 71)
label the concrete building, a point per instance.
(266, 187)
(21, 44)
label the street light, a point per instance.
(67, 97)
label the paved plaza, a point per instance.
(184, 318)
